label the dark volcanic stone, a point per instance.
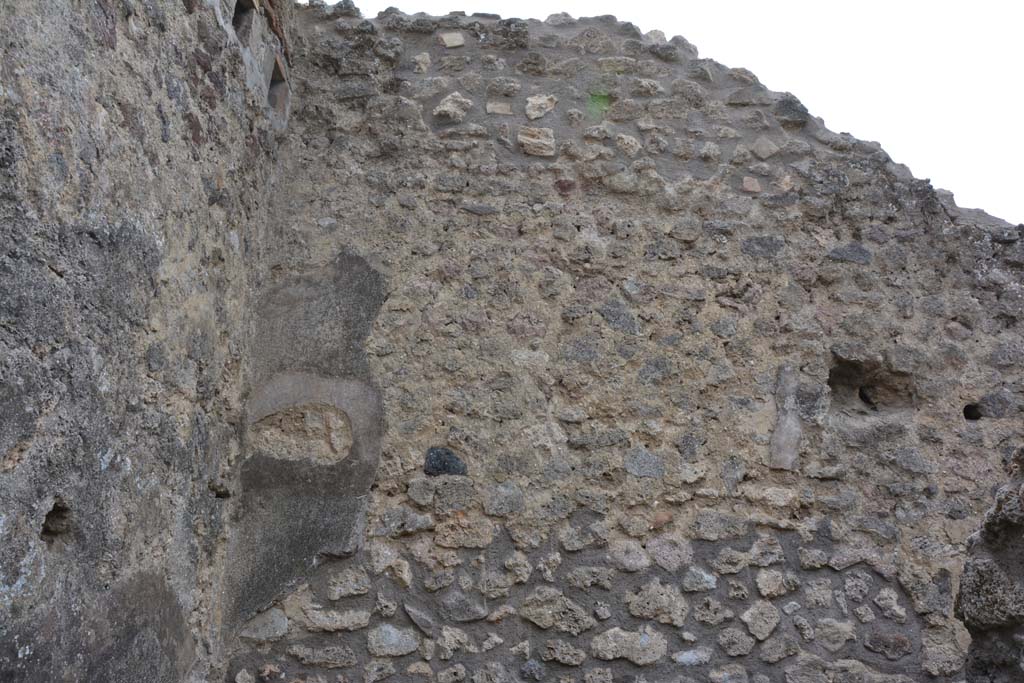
(666, 53)
(790, 112)
(893, 645)
(766, 247)
(441, 460)
(851, 253)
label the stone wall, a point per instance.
(677, 382)
(137, 141)
(486, 350)
(991, 600)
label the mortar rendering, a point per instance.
(466, 349)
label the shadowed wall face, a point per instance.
(136, 145)
(461, 348)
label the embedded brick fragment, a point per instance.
(451, 39)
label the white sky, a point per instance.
(940, 84)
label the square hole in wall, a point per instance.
(242, 19)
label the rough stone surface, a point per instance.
(388, 641)
(628, 555)
(664, 604)
(991, 598)
(483, 350)
(539, 105)
(538, 142)
(735, 642)
(548, 608)
(329, 657)
(642, 647)
(697, 656)
(562, 652)
(453, 108)
(348, 582)
(697, 579)
(761, 619)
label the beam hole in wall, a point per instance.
(241, 20)
(972, 412)
(278, 91)
(190, 5)
(312, 431)
(860, 389)
(57, 522)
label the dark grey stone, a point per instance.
(851, 253)
(421, 617)
(532, 670)
(790, 112)
(762, 247)
(441, 460)
(640, 462)
(619, 318)
(666, 53)
(459, 607)
(655, 370)
(504, 499)
(999, 404)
